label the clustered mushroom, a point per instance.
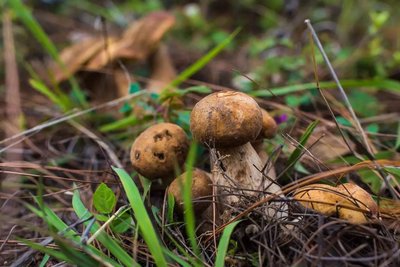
(229, 121)
(201, 189)
(159, 151)
(225, 121)
(233, 126)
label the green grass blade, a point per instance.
(294, 157)
(170, 208)
(74, 255)
(62, 227)
(200, 63)
(190, 223)
(386, 84)
(67, 251)
(142, 217)
(397, 145)
(107, 241)
(120, 124)
(44, 261)
(53, 220)
(176, 258)
(223, 244)
(25, 15)
(53, 253)
(42, 88)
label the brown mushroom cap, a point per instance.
(201, 188)
(226, 119)
(158, 150)
(269, 126)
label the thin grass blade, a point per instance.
(190, 223)
(385, 84)
(223, 244)
(107, 241)
(200, 63)
(294, 157)
(142, 217)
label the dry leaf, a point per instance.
(74, 57)
(137, 42)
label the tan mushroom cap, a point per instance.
(269, 126)
(158, 150)
(226, 119)
(346, 200)
(359, 196)
(201, 190)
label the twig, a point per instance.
(7, 238)
(50, 123)
(113, 157)
(101, 229)
(12, 94)
(341, 90)
(368, 148)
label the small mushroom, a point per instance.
(269, 126)
(229, 121)
(268, 131)
(360, 198)
(341, 200)
(159, 150)
(201, 190)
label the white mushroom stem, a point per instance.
(237, 171)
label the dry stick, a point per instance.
(350, 108)
(28, 254)
(113, 157)
(12, 94)
(342, 92)
(50, 123)
(326, 101)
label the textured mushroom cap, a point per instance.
(269, 126)
(157, 151)
(344, 200)
(201, 188)
(359, 196)
(226, 119)
(310, 197)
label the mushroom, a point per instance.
(201, 190)
(269, 126)
(346, 200)
(228, 121)
(268, 131)
(159, 150)
(359, 198)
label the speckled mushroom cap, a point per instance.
(157, 151)
(226, 119)
(201, 190)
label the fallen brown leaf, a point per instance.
(76, 56)
(137, 42)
